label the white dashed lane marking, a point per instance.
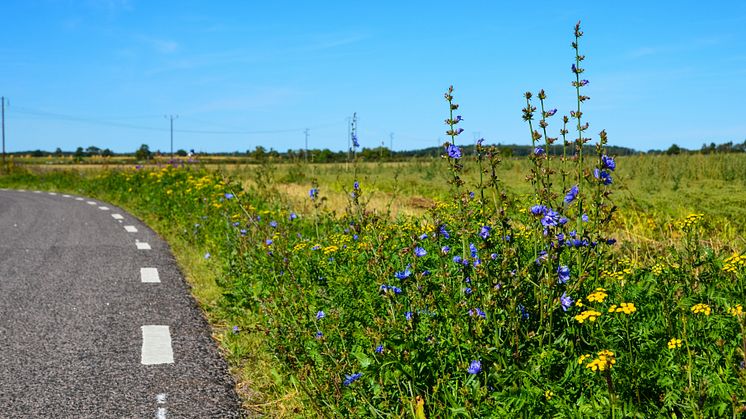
(149, 275)
(37, 191)
(156, 345)
(103, 208)
(90, 203)
(130, 229)
(117, 216)
(142, 246)
(52, 193)
(78, 199)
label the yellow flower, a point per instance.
(701, 308)
(548, 394)
(626, 308)
(583, 358)
(674, 343)
(604, 361)
(736, 311)
(591, 315)
(734, 263)
(599, 295)
(330, 249)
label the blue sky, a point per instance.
(244, 73)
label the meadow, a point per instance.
(558, 285)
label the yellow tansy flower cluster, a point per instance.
(626, 308)
(591, 315)
(604, 361)
(734, 263)
(736, 311)
(691, 220)
(330, 249)
(583, 358)
(674, 343)
(598, 296)
(701, 308)
(658, 268)
(548, 394)
(616, 275)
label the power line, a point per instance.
(99, 121)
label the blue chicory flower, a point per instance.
(566, 301)
(453, 151)
(228, 196)
(564, 274)
(419, 252)
(443, 232)
(523, 311)
(379, 349)
(404, 274)
(537, 210)
(320, 315)
(571, 194)
(475, 367)
(484, 232)
(349, 379)
(603, 175)
(608, 162)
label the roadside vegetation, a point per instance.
(569, 283)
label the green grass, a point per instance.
(282, 371)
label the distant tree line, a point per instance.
(711, 148)
(260, 153)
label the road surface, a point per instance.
(96, 320)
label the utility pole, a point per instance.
(3, 105)
(391, 142)
(306, 153)
(172, 117)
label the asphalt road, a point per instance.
(72, 309)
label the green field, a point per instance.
(405, 321)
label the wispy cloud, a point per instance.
(111, 6)
(674, 48)
(334, 41)
(261, 98)
(256, 54)
(163, 46)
